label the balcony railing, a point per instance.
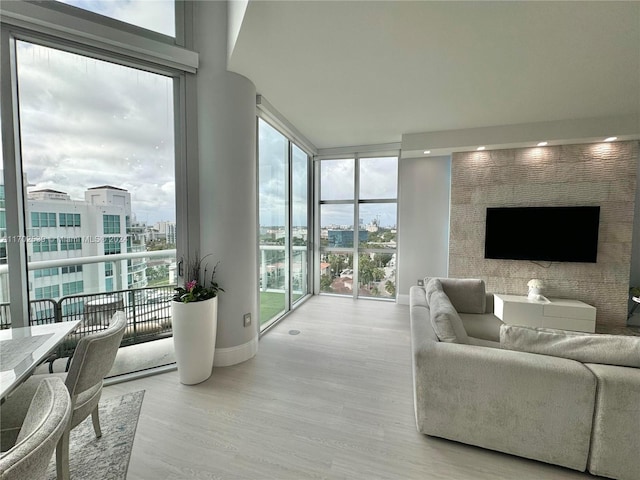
(148, 312)
(273, 268)
(148, 309)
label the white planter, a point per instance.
(194, 338)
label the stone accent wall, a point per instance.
(601, 174)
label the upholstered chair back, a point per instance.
(94, 356)
(44, 424)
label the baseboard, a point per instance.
(125, 377)
(402, 299)
(225, 357)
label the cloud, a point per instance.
(337, 179)
(156, 15)
(378, 180)
(86, 122)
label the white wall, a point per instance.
(236, 11)
(423, 220)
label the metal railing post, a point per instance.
(57, 308)
(132, 298)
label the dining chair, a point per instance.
(91, 362)
(47, 418)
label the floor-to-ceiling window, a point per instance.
(283, 223)
(358, 226)
(98, 158)
(94, 166)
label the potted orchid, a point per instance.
(195, 289)
(194, 316)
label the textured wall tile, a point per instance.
(589, 174)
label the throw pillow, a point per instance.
(467, 295)
(432, 285)
(445, 320)
(582, 347)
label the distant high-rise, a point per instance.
(61, 228)
(167, 230)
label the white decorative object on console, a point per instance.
(561, 313)
(535, 288)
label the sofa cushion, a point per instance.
(481, 342)
(417, 297)
(583, 347)
(445, 320)
(467, 295)
(485, 326)
(432, 285)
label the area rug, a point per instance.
(105, 458)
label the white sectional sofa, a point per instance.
(470, 387)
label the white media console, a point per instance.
(559, 313)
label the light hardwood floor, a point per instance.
(334, 401)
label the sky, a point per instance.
(273, 154)
(378, 180)
(86, 123)
(156, 15)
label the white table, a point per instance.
(561, 313)
(23, 349)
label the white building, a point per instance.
(61, 228)
(166, 231)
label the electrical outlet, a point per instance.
(247, 319)
(421, 282)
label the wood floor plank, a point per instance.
(333, 402)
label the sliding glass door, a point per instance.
(283, 222)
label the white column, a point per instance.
(423, 220)
(227, 183)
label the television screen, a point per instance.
(555, 234)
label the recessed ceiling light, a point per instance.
(542, 144)
(610, 139)
(427, 152)
(480, 148)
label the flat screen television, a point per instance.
(554, 234)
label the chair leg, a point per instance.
(66, 369)
(62, 457)
(96, 422)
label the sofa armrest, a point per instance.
(524, 404)
(615, 444)
(489, 306)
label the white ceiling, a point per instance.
(367, 72)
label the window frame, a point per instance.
(292, 140)
(355, 250)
